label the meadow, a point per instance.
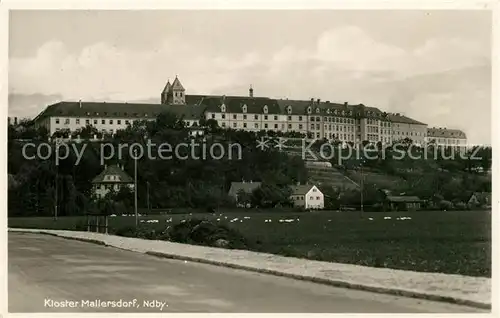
(453, 242)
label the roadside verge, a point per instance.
(457, 289)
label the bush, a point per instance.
(204, 232)
(460, 206)
(445, 205)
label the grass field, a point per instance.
(455, 242)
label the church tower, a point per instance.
(166, 92)
(178, 93)
(173, 93)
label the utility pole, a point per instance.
(135, 188)
(56, 204)
(362, 188)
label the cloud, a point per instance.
(345, 64)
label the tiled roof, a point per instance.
(176, 85)
(301, 189)
(445, 133)
(248, 187)
(326, 108)
(168, 87)
(396, 118)
(115, 171)
(114, 110)
(234, 104)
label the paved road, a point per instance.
(46, 271)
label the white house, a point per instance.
(112, 178)
(307, 196)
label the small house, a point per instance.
(112, 178)
(245, 186)
(400, 202)
(307, 196)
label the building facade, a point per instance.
(446, 137)
(307, 197)
(112, 178)
(314, 118)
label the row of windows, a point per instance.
(275, 117)
(67, 121)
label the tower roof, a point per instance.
(176, 85)
(168, 87)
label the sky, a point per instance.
(433, 66)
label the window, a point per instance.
(311, 198)
(313, 119)
(289, 126)
(317, 135)
(57, 120)
(275, 117)
(234, 116)
(87, 122)
(317, 126)
(314, 189)
(256, 116)
(126, 121)
(289, 117)
(265, 126)
(213, 116)
(312, 126)
(119, 122)
(244, 125)
(256, 125)
(244, 116)
(77, 121)
(223, 124)
(300, 126)
(317, 198)
(103, 122)
(275, 126)
(234, 125)
(111, 121)
(265, 117)
(66, 121)
(223, 116)
(95, 121)
(300, 118)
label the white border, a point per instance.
(6, 5)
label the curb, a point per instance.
(342, 284)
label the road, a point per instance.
(46, 271)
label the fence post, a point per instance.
(97, 224)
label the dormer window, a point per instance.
(343, 113)
(289, 109)
(350, 113)
(223, 108)
(265, 109)
(308, 110)
(335, 112)
(244, 108)
(317, 110)
(328, 111)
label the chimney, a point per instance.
(80, 103)
(250, 91)
(312, 100)
(15, 120)
(345, 104)
(319, 100)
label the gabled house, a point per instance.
(245, 186)
(480, 199)
(400, 202)
(111, 178)
(307, 196)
